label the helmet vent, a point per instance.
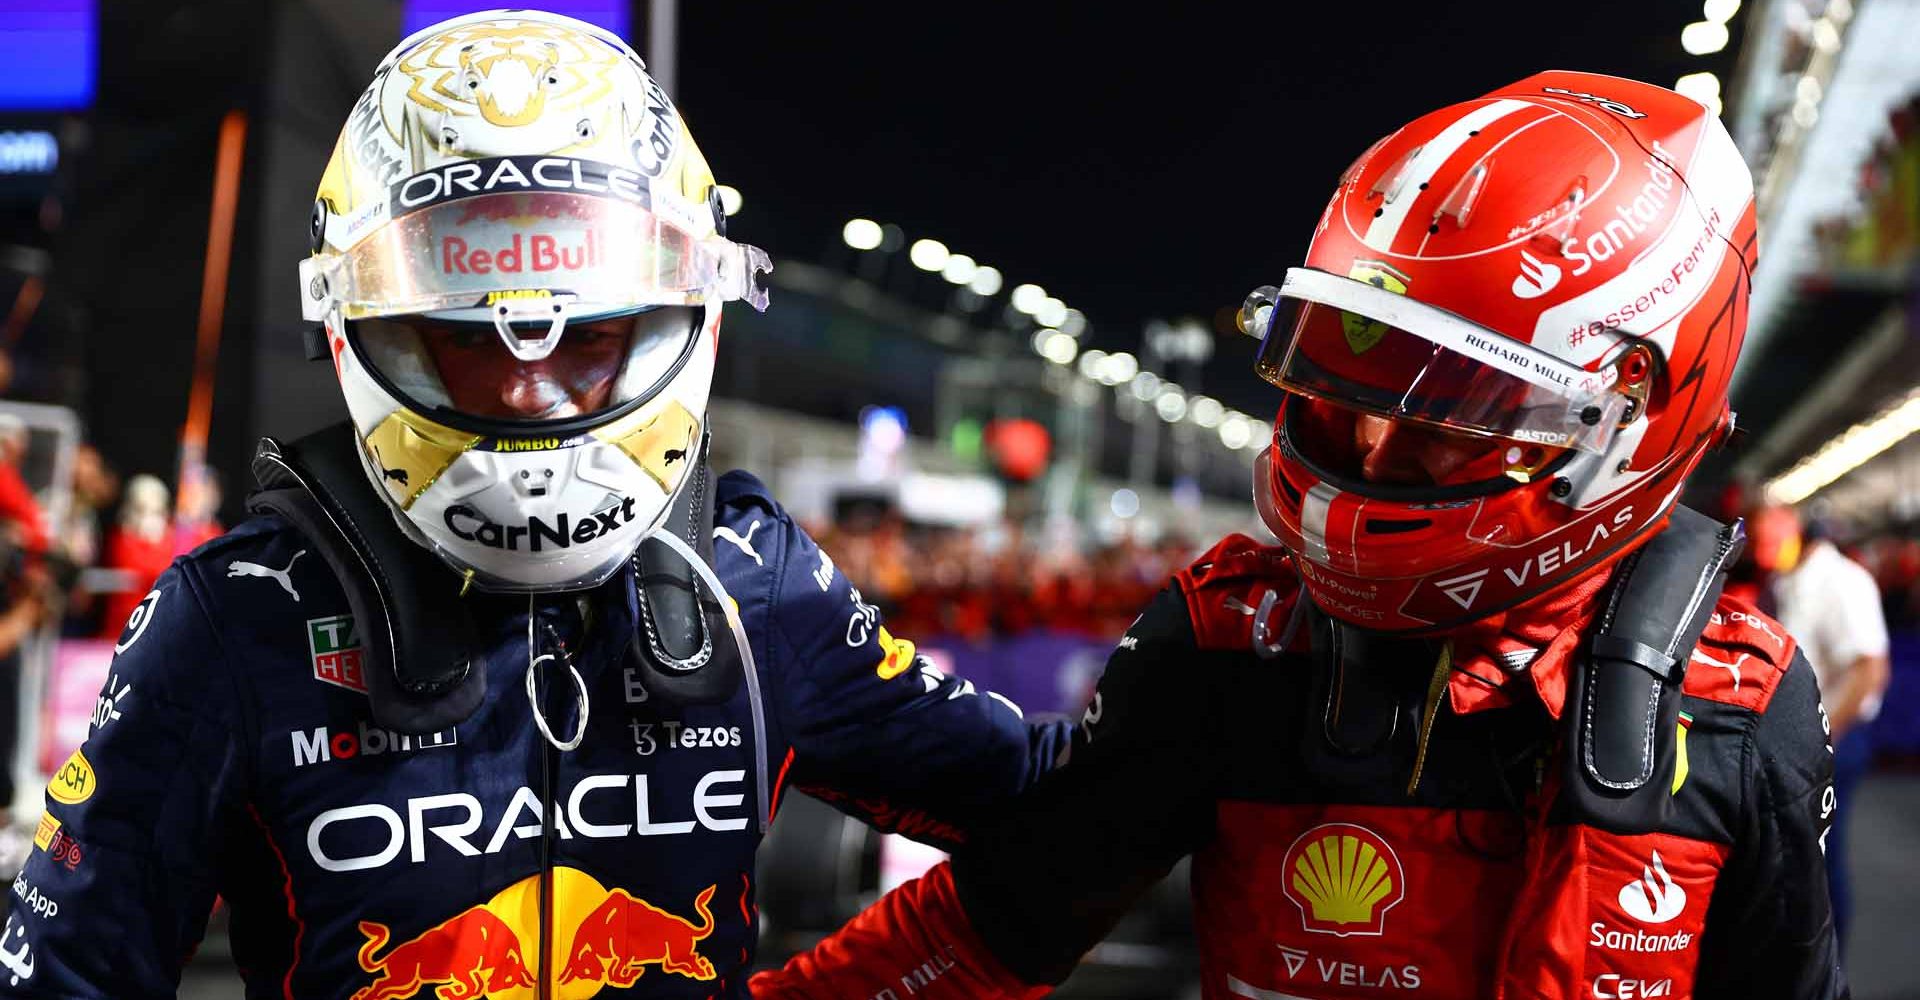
(1396, 525)
(1394, 181)
(1466, 194)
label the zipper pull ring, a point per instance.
(533, 700)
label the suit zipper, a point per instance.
(548, 821)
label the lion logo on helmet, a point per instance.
(511, 75)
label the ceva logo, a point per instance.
(1536, 277)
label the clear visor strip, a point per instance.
(736, 275)
(1461, 336)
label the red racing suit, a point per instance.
(1438, 856)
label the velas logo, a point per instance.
(1344, 878)
(1363, 333)
(337, 657)
(539, 534)
(1536, 277)
(601, 937)
(1653, 898)
(508, 174)
(320, 744)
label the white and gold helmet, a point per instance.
(519, 261)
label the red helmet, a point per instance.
(1555, 274)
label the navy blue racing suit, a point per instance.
(232, 755)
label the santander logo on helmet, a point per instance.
(1576, 252)
(1536, 278)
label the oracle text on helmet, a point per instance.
(563, 532)
(519, 173)
(374, 835)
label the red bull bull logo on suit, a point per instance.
(601, 938)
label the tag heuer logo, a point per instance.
(337, 658)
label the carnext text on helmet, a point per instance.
(469, 524)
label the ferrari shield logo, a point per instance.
(1363, 333)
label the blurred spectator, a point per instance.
(198, 520)
(25, 524)
(973, 584)
(140, 546)
(94, 487)
(1832, 606)
(95, 484)
(23, 582)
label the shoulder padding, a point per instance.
(739, 486)
(1227, 587)
(1741, 657)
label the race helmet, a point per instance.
(1546, 288)
(519, 262)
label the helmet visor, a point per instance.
(1364, 347)
(524, 252)
(461, 374)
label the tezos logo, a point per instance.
(321, 744)
(537, 534)
(1344, 878)
(1536, 277)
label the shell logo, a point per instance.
(1344, 878)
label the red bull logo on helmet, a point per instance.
(601, 938)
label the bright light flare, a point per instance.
(862, 234)
(928, 255)
(1028, 298)
(1704, 38)
(1849, 451)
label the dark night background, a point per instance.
(1137, 162)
